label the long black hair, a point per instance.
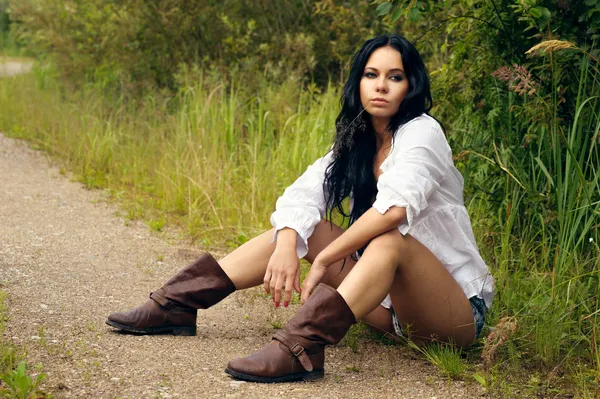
(355, 146)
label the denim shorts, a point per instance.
(477, 305)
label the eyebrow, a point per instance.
(391, 70)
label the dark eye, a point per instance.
(370, 75)
(397, 78)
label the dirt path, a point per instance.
(67, 260)
(14, 66)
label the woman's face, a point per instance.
(383, 85)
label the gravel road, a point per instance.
(12, 66)
(67, 260)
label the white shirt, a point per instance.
(418, 175)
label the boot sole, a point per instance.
(305, 376)
(174, 330)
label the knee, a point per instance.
(392, 243)
(323, 235)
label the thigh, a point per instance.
(427, 300)
(325, 233)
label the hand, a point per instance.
(283, 272)
(318, 269)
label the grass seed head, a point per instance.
(549, 46)
(505, 328)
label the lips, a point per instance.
(379, 100)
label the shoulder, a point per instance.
(423, 130)
(421, 125)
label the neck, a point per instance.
(380, 127)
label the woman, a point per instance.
(419, 270)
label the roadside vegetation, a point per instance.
(16, 381)
(198, 116)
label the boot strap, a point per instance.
(158, 297)
(295, 348)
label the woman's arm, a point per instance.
(371, 224)
(298, 211)
(302, 205)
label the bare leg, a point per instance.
(426, 298)
(380, 318)
(246, 267)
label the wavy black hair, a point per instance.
(355, 146)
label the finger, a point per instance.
(304, 296)
(278, 288)
(267, 281)
(306, 289)
(287, 294)
(297, 281)
(272, 284)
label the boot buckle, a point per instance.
(297, 349)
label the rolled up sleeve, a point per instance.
(302, 205)
(419, 161)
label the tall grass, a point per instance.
(543, 239)
(217, 163)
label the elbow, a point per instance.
(397, 216)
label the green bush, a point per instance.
(137, 45)
(4, 23)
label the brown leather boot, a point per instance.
(172, 308)
(297, 352)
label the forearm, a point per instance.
(286, 238)
(368, 226)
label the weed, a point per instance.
(9, 356)
(156, 225)
(148, 269)
(503, 330)
(276, 324)
(446, 357)
(354, 334)
(20, 384)
(13, 369)
(480, 378)
(42, 335)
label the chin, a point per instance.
(379, 113)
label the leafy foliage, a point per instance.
(137, 45)
(21, 385)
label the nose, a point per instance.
(381, 86)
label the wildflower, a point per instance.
(591, 239)
(518, 77)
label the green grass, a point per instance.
(447, 358)
(9, 357)
(213, 161)
(215, 165)
(15, 381)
